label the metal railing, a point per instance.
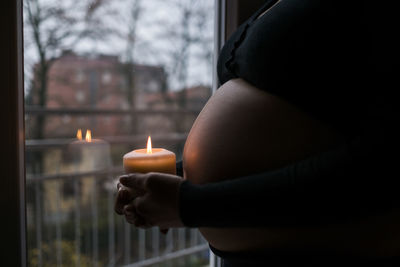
(37, 110)
(147, 247)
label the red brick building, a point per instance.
(99, 81)
(104, 82)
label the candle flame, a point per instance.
(79, 134)
(88, 137)
(149, 150)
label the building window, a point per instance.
(79, 76)
(153, 86)
(80, 96)
(106, 77)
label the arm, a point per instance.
(353, 180)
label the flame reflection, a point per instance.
(88, 137)
(79, 134)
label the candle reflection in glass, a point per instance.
(90, 154)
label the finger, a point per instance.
(130, 214)
(129, 208)
(134, 180)
(137, 220)
(132, 218)
(123, 198)
(140, 206)
(138, 210)
(119, 185)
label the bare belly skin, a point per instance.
(243, 130)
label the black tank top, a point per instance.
(323, 56)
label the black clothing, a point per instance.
(339, 62)
(299, 258)
(320, 55)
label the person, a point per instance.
(295, 155)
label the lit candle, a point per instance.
(150, 160)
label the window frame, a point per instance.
(12, 194)
(228, 15)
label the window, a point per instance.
(117, 69)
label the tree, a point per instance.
(52, 27)
(189, 38)
(131, 36)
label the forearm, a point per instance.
(331, 187)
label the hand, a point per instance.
(125, 196)
(157, 200)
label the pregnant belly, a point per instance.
(243, 130)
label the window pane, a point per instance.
(123, 70)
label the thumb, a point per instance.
(133, 180)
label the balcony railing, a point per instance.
(36, 110)
(151, 246)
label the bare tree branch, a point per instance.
(55, 26)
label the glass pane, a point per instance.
(123, 70)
